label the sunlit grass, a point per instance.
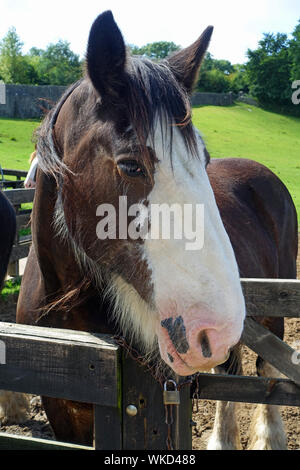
(16, 143)
(248, 132)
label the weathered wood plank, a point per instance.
(148, 429)
(271, 348)
(272, 297)
(17, 173)
(59, 363)
(270, 391)
(23, 220)
(20, 196)
(13, 184)
(19, 252)
(107, 417)
(14, 442)
(41, 332)
(107, 428)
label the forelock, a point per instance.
(153, 94)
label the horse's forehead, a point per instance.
(170, 146)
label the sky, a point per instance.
(238, 24)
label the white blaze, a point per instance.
(182, 277)
(198, 287)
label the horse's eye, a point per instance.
(131, 168)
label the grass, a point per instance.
(11, 287)
(248, 132)
(16, 143)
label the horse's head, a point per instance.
(123, 147)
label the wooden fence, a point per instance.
(16, 183)
(91, 368)
(19, 197)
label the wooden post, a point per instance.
(108, 419)
(147, 430)
(13, 267)
(20, 250)
(107, 428)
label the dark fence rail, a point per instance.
(90, 368)
(21, 247)
(16, 183)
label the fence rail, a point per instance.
(91, 368)
(21, 246)
(16, 183)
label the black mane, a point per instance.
(153, 92)
(150, 91)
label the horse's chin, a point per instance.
(180, 364)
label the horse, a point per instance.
(125, 131)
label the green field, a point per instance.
(16, 143)
(249, 132)
(234, 131)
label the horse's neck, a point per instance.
(80, 304)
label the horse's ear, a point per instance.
(106, 55)
(186, 63)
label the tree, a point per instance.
(239, 79)
(208, 62)
(269, 70)
(213, 81)
(295, 53)
(223, 66)
(13, 67)
(220, 76)
(57, 65)
(155, 50)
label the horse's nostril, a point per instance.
(204, 343)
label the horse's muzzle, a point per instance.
(195, 343)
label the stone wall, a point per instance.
(30, 102)
(214, 99)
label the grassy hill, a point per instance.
(235, 131)
(248, 132)
(16, 142)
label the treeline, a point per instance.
(267, 75)
(55, 65)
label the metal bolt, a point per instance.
(131, 410)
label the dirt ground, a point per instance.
(290, 415)
(37, 425)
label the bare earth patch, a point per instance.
(290, 414)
